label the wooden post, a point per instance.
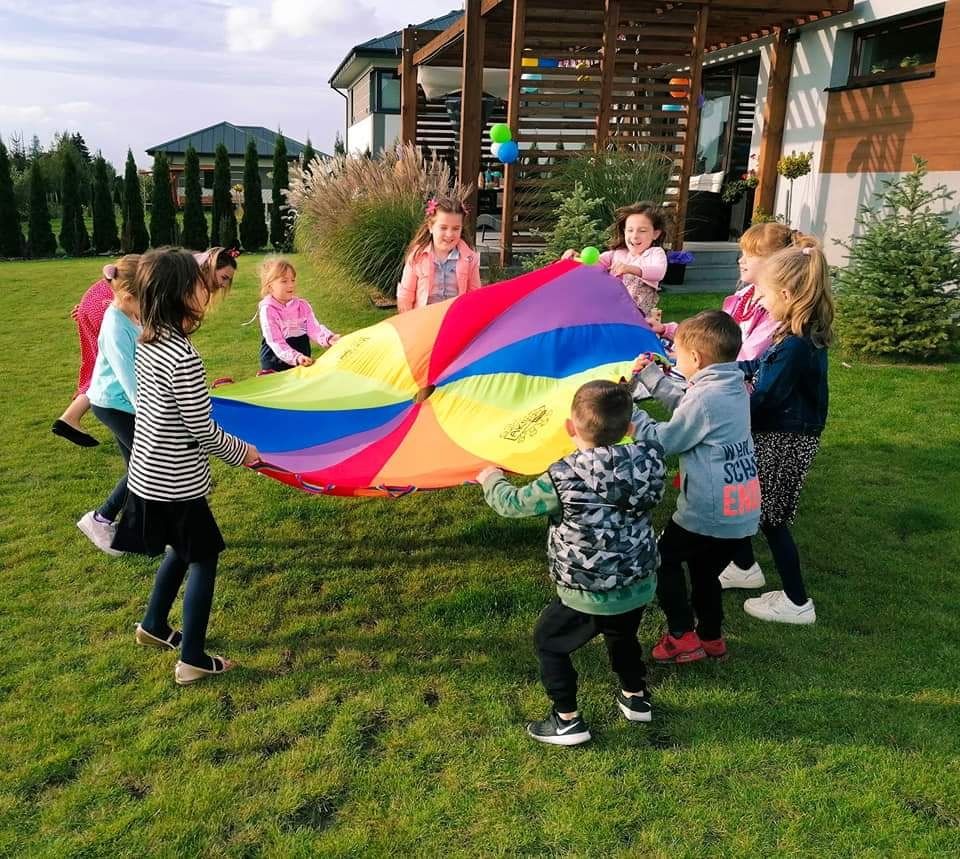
(518, 35)
(693, 122)
(408, 88)
(774, 118)
(611, 24)
(471, 108)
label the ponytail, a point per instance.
(802, 271)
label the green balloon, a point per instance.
(590, 255)
(500, 133)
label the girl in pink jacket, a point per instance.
(756, 325)
(287, 321)
(440, 264)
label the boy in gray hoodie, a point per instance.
(601, 549)
(719, 503)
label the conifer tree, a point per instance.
(133, 235)
(279, 214)
(253, 227)
(222, 201)
(74, 238)
(11, 236)
(194, 221)
(105, 238)
(163, 216)
(41, 240)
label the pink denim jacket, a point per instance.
(755, 323)
(279, 321)
(416, 283)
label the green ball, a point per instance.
(590, 255)
(500, 133)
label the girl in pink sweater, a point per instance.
(287, 321)
(756, 325)
(636, 256)
(440, 264)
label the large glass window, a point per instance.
(715, 116)
(387, 92)
(902, 48)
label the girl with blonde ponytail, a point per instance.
(788, 411)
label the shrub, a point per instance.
(576, 226)
(362, 213)
(899, 296)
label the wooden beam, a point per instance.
(513, 120)
(408, 88)
(774, 118)
(471, 108)
(611, 23)
(693, 121)
(450, 35)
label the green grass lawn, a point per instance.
(387, 669)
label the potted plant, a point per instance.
(793, 167)
(677, 262)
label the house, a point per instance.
(368, 80)
(235, 138)
(719, 87)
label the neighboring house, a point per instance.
(867, 93)
(368, 80)
(235, 138)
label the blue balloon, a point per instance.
(509, 152)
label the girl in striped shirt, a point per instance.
(169, 475)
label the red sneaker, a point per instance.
(715, 649)
(686, 648)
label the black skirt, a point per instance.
(783, 460)
(269, 359)
(148, 527)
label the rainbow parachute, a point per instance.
(426, 399)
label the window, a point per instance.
(387, 92)
(900, 49)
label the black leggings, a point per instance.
(561, 630)
(196, 603)
(121, 424)
(786, 558)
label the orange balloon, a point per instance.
(679, 82)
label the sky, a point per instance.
(134, 75)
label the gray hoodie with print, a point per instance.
(710, 429)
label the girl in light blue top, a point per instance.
(112, 392)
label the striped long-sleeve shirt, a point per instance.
(175, 433)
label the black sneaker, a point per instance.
(559, 732)
(635, 707)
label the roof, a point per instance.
(234, 137)
(389, 45)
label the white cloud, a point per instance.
(248, 30)
(22, 113)
(75, 107)
(251, 29)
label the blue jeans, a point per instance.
(121, 424)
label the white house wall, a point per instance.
(826, 204)
(360, 136)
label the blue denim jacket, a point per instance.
(789, 387)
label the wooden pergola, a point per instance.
(597, 74)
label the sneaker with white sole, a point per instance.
(99, 533)
(636, 708)
(778, 607)
(559, 732)
(735, 577)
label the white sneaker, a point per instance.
(734, 577)
(99, 533)
(778, 607)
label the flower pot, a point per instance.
(675, 273)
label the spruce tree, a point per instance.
(253, 227)
(575, 227)
(194, 221)
(279, 215)
(897, 297)
(339, 147)
(11, 237)
(228, 231)
(222, 202)
(105, 238)
(40, 237)
(74, 238)
(118, 191)
(163, 216)
(133, 235)
(308, 155)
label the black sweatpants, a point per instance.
(705, 557)
(561, 630)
